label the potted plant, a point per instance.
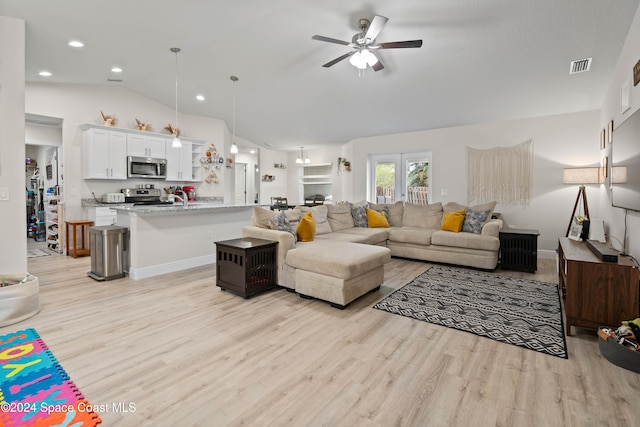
(347, 165)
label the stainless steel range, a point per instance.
(144, 196)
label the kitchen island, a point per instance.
(169, 238)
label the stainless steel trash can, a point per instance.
(109, 252)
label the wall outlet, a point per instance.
(4, 193)
(209, 234)
(444, 192)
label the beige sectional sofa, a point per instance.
(345, 261)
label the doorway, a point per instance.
(43, 184)
(400, 177)
(241, 184)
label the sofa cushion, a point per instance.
(344, 260)
(395, 212)
(306, 230)
(453, 221)
(261, 217)
(377, 219)
(424, 216)
(453, 206)
(320, 213)
(370, 236)
(359, 214)
(339, 216)
(415, 235)
(465, 240)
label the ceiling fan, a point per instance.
(364, 43)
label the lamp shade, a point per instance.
(581, 176)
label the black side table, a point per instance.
(246, 266)
(519, 249)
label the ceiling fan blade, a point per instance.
(375, 27)
(399, 45)
(330, 40)
(378, 66)
(338, 59)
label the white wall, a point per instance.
(614, 217)
(13, 222)
(559, 141)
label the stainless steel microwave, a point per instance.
(146, 167)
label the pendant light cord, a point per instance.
(176, 50)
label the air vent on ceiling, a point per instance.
(115, 80)
(580, 66)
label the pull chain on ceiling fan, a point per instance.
(364, 43)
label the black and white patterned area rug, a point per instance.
(521, 312)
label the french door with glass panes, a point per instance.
(400, 177)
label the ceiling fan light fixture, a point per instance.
(362, 58)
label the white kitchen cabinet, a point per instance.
(141, 145)
(102, 215)
(105, 154)
(179, 161)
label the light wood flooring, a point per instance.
(185, 353)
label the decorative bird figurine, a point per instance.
(143, 126)
(108, 120)
(174, 131)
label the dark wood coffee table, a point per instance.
(246, 266)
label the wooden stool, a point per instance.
(83, 250)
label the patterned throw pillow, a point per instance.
(281, 223)
(474, 220)
(359, 214)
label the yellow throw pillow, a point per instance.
(306, 230)
(453, 221)
(377, 219)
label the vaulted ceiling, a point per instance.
(480, 60)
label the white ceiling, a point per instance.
(480, 60)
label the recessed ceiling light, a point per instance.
(200, 97)
(116, 70)
(76, 43)
(45, 73)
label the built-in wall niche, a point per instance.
(247, 175)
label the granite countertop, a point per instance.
(198, 206)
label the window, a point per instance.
(400, 177)
(316, 179)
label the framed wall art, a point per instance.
(610, 131)
(625, 97)
(603, 139)
(575, 231)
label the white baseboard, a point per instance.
(546, 254)
(171, 267)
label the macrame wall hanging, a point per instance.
(503, 174)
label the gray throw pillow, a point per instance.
(474, 220)
(281, 223)
(359, 214)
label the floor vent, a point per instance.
(580, 66)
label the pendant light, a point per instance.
(176, 143)
(234, 146)
(301, 159)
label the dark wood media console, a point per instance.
(597, 293)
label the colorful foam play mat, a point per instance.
(34, 389)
